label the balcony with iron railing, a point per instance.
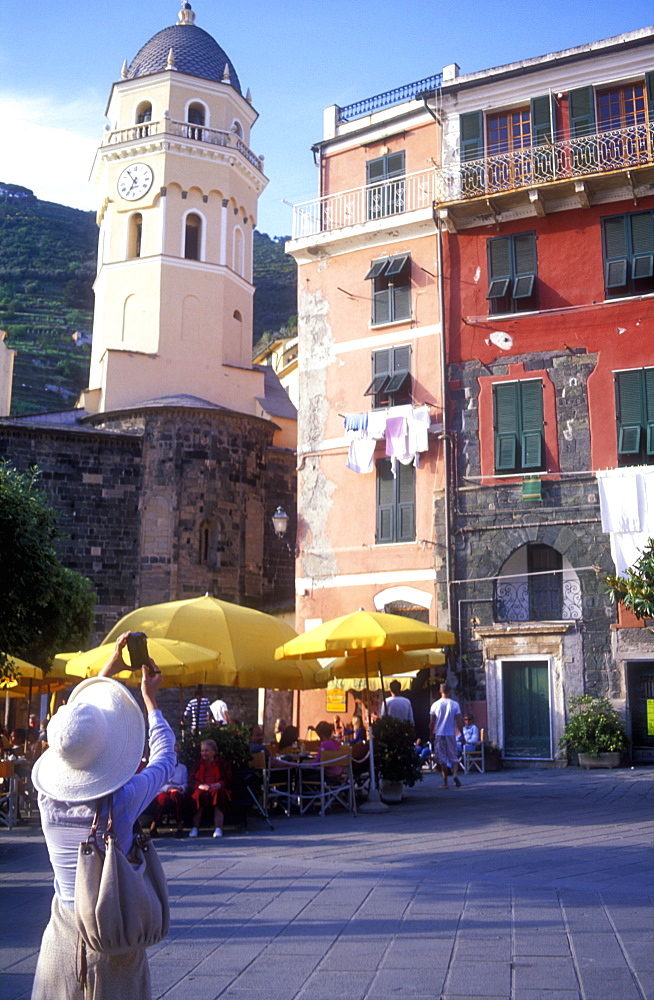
(166, 127)
(601, 154)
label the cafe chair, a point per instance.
(255, 784)
(278, 784)
(8, 794)
(317, 788)
(473, 760)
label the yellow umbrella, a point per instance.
(245, 639)
(375, 683)
(24, 671)
(365, 631)
(351, 670)
(180, 663)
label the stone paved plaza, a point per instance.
(522, 885)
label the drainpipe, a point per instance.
(444, 436)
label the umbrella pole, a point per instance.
(374, 803)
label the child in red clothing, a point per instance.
(209, 787)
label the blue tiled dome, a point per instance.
(194, 52)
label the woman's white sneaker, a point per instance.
(217, 832)
(193, 832)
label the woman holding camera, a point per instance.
(95, 743)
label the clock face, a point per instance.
(135, 181)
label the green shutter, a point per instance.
(385, 501)
(531, 407)
(506, 421)
(582, 112)
(375, 171)
(630, 411)
(472, 135)
(615, 251)
(524, 257)
(406, 503)
(649, 86)
(541, 121)
(394, 165)
(499, 266)
(648, 376)
(642, 244)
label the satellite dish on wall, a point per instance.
(502, 340)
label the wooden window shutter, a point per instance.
(541, 121)
(642, 244)
(649, 86)
(375, 171)
(406, 503)
(629, 405)
(531, 405)
(524, 254)
(506, 417)
(582, 112)
(472, 135)
(648, 377)
(615, 251)
(402, 358)
(395, 165)
(385, 501)
(499, 266)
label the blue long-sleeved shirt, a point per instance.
(66, 824)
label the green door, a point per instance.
(526, 708)
(640, 680)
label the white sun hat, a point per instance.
(95, 743)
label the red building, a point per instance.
(491, 237)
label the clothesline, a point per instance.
(404, 428)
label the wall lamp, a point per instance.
(280, 521)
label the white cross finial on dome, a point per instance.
(186, 15)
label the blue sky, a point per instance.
(58, 59)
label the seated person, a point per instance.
(357, 731)
(256, 744)
(172, 798)
(424, 752)
(288, 738)
(209, 786)
(325, 732)
(470, 735)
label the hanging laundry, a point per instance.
(356, 422)
(627, 511)
(361, 455)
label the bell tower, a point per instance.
(178, 188)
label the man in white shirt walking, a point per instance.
(444, 720)
(397, 706)
(220, 712)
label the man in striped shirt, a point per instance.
(198, 711)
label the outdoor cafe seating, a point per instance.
(296, 782)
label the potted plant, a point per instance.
(492, 757)
(396, 761)
(594, 732)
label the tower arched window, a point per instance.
(192, 236)
(196, 118)
(237, 128)
(135, 235)
(239, 251)
(144, 113)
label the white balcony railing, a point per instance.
(183, 130)
(602, 152)
(366, 204)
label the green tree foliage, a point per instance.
(45, 607)
(636, 589)
(275, 280)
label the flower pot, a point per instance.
(390, 791)
(590, 760)
(492, 761)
